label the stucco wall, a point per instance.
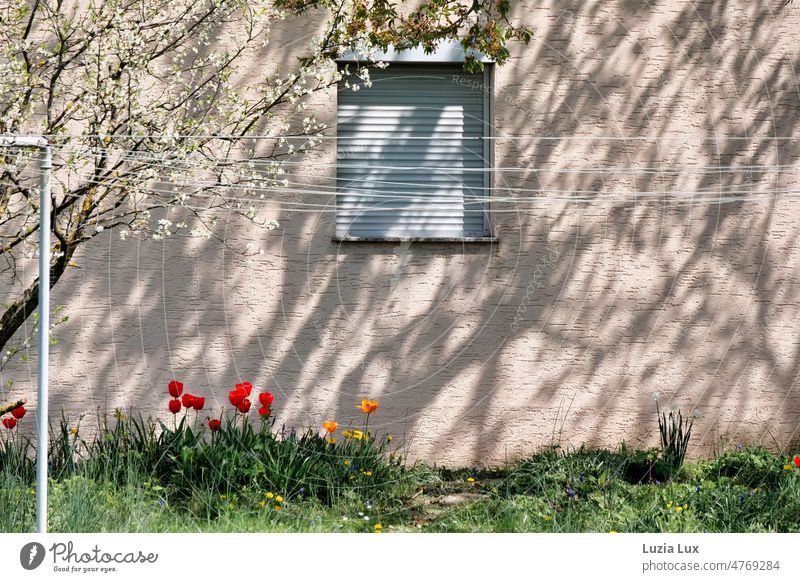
(592, 300)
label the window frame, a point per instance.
(447, 53)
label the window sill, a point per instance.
(454, 239)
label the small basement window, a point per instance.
(412, 159)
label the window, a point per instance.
(412, 161)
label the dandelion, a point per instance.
(269, 495)
(378, 527)
(277, 508)
(278, 499)
(368, 473)
(347, 434)
(389, 438)
(470, 480)
(787, 467)
(331, 440)
(678, 509)
(262, 504)
(358, 435)
(669, 504)
(346, 462)
(74, 431)
(548, 518)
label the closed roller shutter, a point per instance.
(410, 155)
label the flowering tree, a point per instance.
(144, 105)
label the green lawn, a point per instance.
(130, 479)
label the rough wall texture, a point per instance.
(594, 298)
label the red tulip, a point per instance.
(797, 460)
(214, 424)
(175, 388)
(9, 423)
(236, 396)
(188, 400)
(266, 398)
(199, 402)
(245, 387)
(18, 412)
(264, 411)
(175, 406)
(244, 407)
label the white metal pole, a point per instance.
(44, 338)
(44, 316)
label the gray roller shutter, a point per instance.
(410, 155)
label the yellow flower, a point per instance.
(269, 495)
(346, 461)
(358, 435)
(669, 504)
(389, 438)
(685, 505)
(613, 531)
(279, 499)
(277, 508)
(262, 503)
(787, 467)
(548, 518)
(74, 431)
(368, 473)
(369, 406)
(331, 441)
(347, 434)
(223, 497)
(378, 527)
(679, 509)
(470, 480)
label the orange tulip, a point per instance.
(368, 406)
(329, 425)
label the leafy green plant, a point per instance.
(675, 431)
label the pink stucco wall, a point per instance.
(560, 331)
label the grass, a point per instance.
(138, 476)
